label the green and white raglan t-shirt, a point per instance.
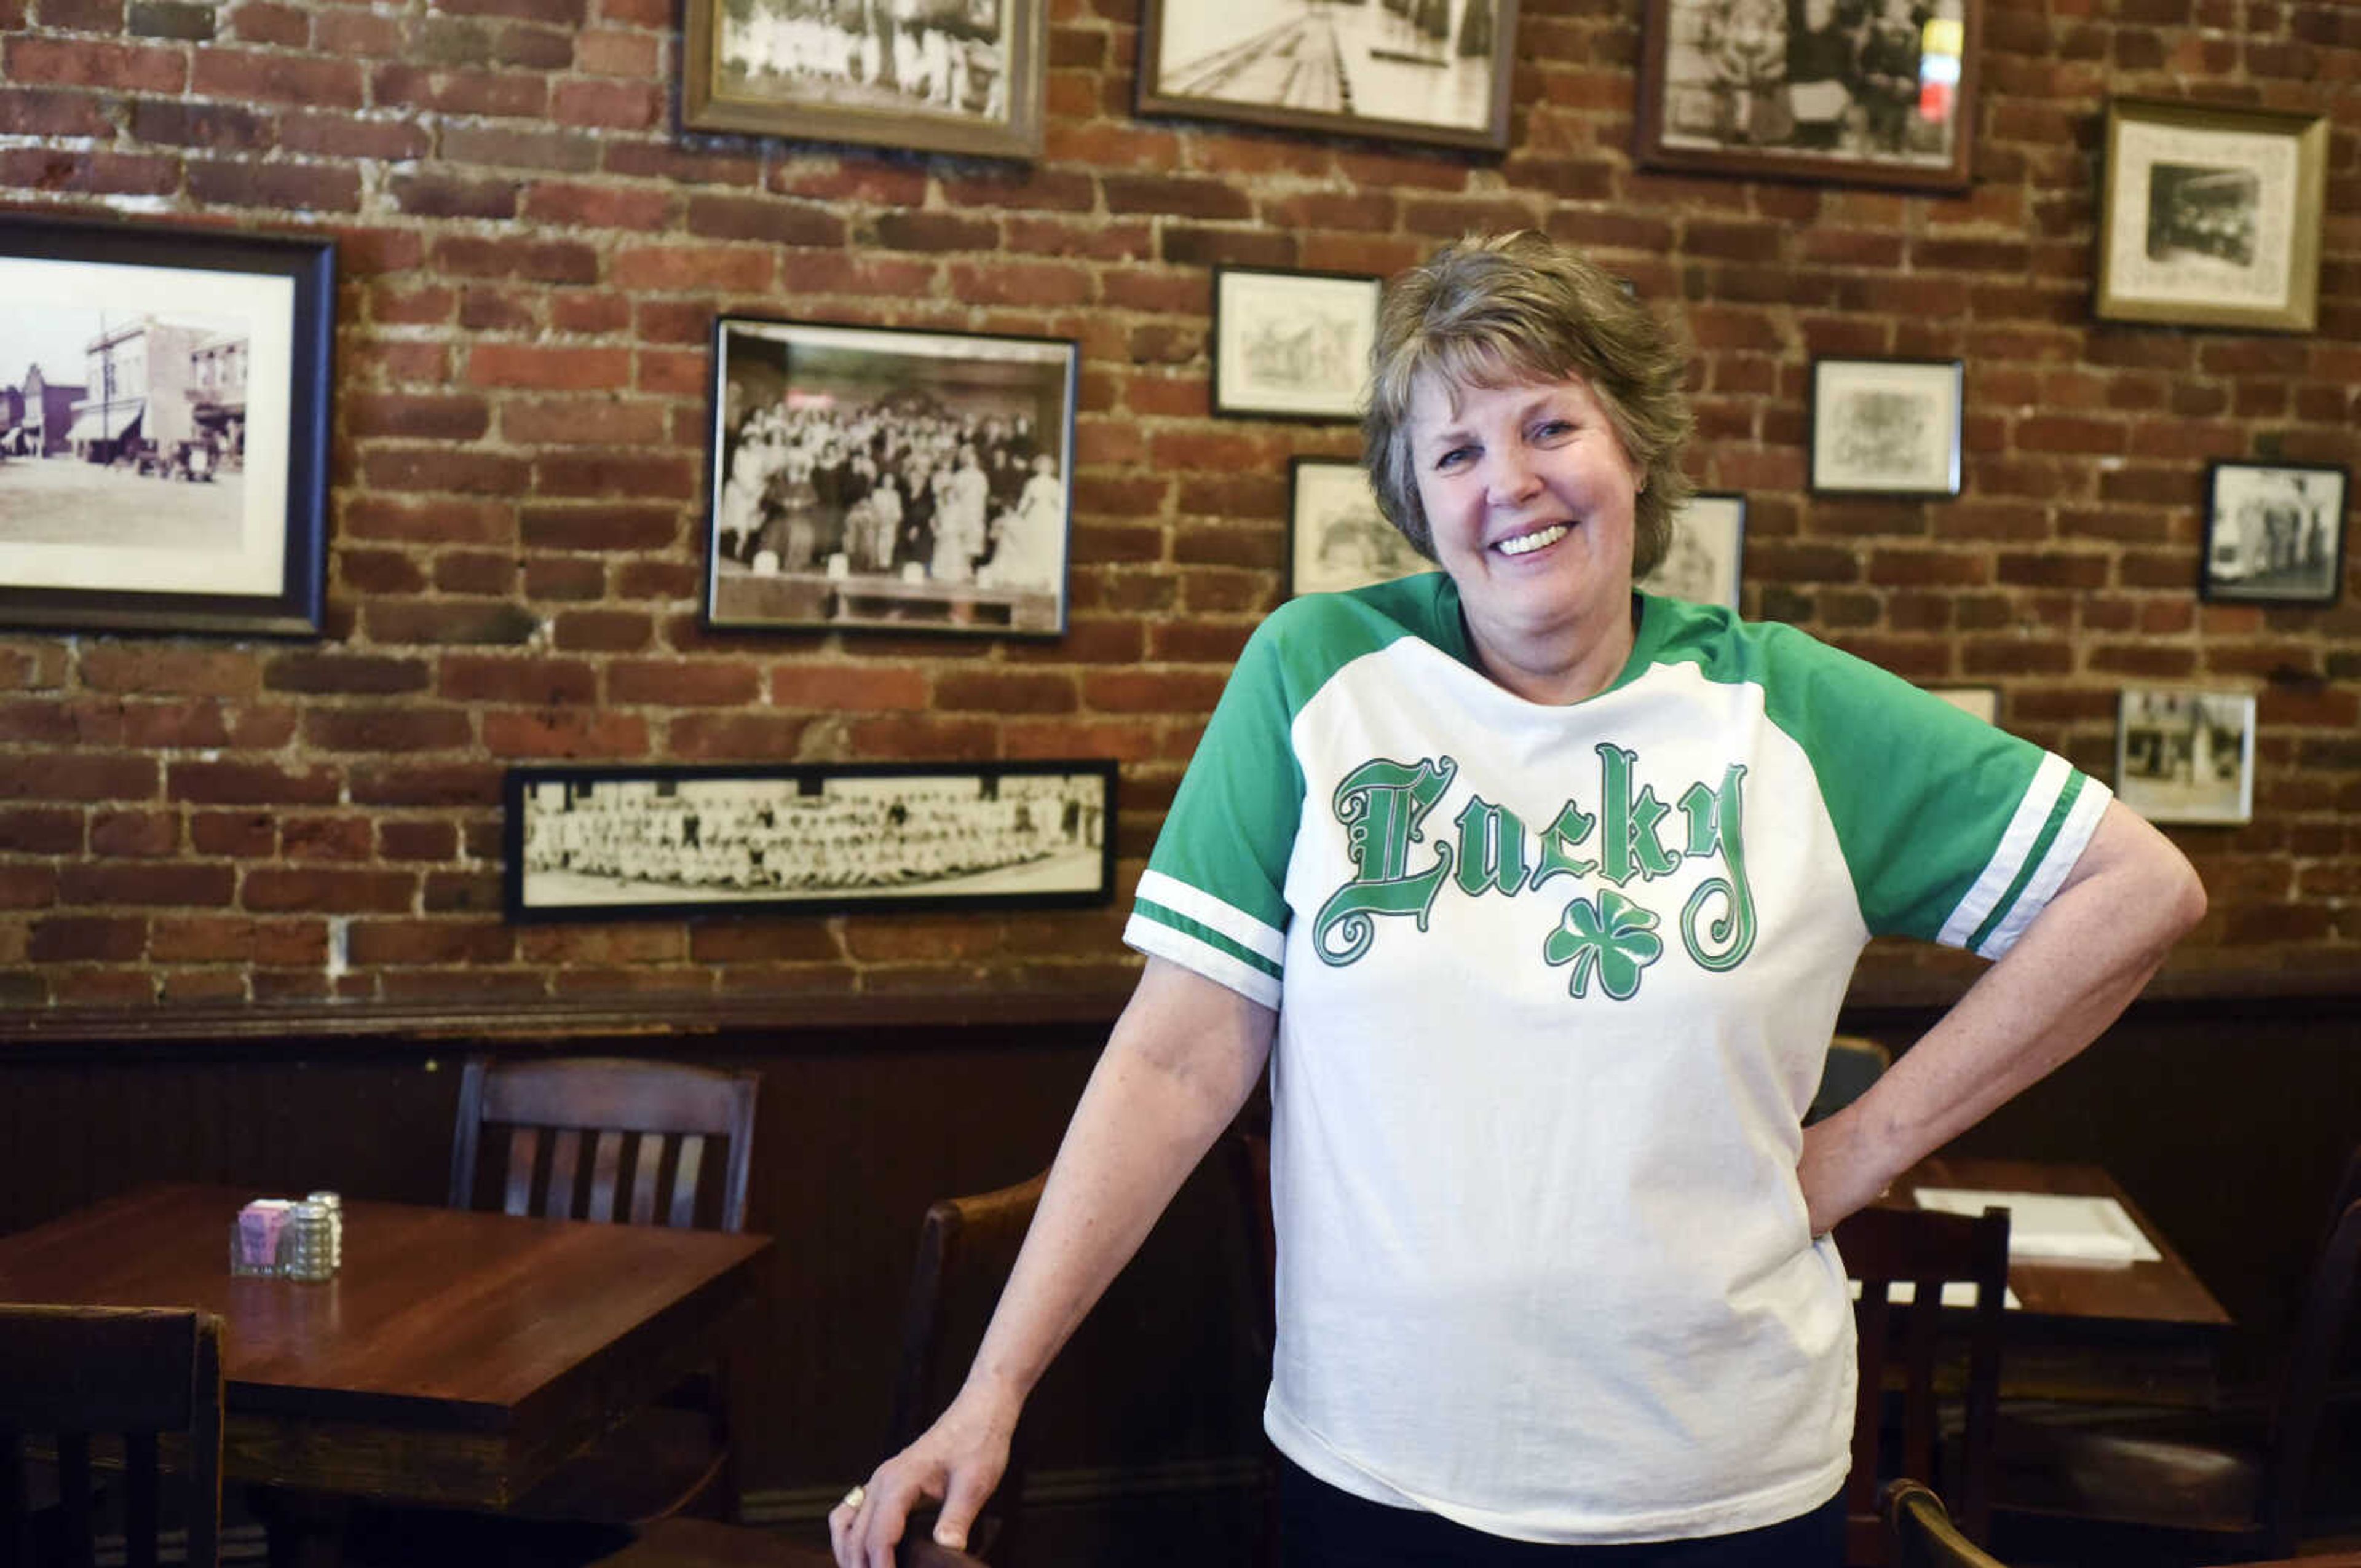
(1555, 987)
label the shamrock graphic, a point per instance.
(1616, 939)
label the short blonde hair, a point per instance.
(1494, 309)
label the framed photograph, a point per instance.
(2186, 756)
(163, 429)
(2210, 216)
(651, 841)
(960, 76)
(1419, 71)
(1982, 701)
(1337, 536)
(886, 479)
(1292, 345)
(1841, 91)
(2274, 533)
(1708, 535)
(1886, 427)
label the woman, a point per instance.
(1540, 897)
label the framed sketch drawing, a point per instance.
(1337, 536)
(962, 76)
(2274, 533)
(1852, 92)
(651, 841)
(1292, 345)
(2211, 216)
(2186, 756)
(874, 478)
(1423, 71)
(1708, 536)
(1886, 427)
(163, 428)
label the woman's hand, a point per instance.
(1837, 1173)
(957, 1463)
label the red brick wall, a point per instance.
(531, 259)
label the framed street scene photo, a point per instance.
(1423, 71)
(1886, 427)
(163, 429)
(2186, 756)
(1337, 537)
(1982, 701)
(1850, 92)
(651, 841)
(2274, 533)
(960, 76)
(1292, 345)
(2210, 216)
(874, 478)
(1708, 535)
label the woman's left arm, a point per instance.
(2130, 896)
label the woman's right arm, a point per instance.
(1181, 1060)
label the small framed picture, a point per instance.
(2211, 216)
(876, 477)
(651, 841)
(1865, 92)
(1415, 70)
(1886, 427)
(962, 76)
(2186, 756)
(2274, 533)
(1292, 345)
(1982, 701)
(1708, 536)
(1337, 536)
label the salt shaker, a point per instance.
(334, 1206)
(303, 1249)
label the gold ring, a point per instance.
(852, 1498)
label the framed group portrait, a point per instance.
(1337, 535)
(164, 417)
(1292, 345)
(2274, 533)
(1702, 563)
(2212, 217)
(2186, 756)
(1417, 70)
(1886, 427)
(963, 76)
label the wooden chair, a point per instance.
(1853, 1064)
(1247, 1155)
(140, 1374)
(1900, 1343)
(1922, 1533)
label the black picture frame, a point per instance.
(812, 423)
(655, 842)
(188, 495)
(1290, 344)
(1337, 535)
(2274, 533)
(1886, 427)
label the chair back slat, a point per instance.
(524, 1153)
(647, 1174)
(684, 1180)
(142, 1499)
(73, 1498)
(606, 1170)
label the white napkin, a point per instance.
(2052, 1226)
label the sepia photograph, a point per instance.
(1888, 427)
(962, 76)
(163, 429)
(1337, 537)
(1702, 565)
(876, 477)
(2186, 756)
(632, 843)
(1417, 70)
(1841, 91)
(2274, 533)
(1984, 702)
(1291, 345)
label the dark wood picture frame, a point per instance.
(2274, 533)
(1289, 344)
(1886, 427)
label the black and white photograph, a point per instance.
(1887, 427)
(1291, 345)
(2186, 756)
(962, 76)
(2212, 217)
(1702, 564)
(874, 478)
(1337, 536)
(1840, 92)
(2274, 533)
(1982, 701)
(632, 843)
(163, 429)
(1418, 71)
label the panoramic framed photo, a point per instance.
(1337, 536)
(654, 841)
(1886, 427)
(1841, 91)
(1708, 537)
(163, 428)
(2274, 533)
(963, 76)
(2212, 217)
(2186, 756)
(882, 478)
(1418, 70)
(1291, 345)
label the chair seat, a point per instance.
(660, 1461)
(2178, 1482)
